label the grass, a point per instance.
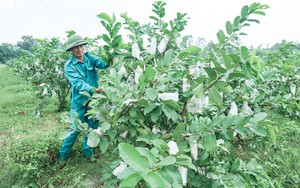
(29, 145)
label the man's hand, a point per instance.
(99, 90)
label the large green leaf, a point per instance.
(198, 91)
(161, 146)
(105, 126)
(133, 158)
(116, 29)
(65, 134)
(170, 160)
(224, 87)
(169, 56)
(106, 38)
(155, 114)
(227, 61)
(130, 181)
(244, 11)
(116, 41)
(103, 144)
(211, 73)
(189, 51)
(149, 74)
(235, 165)
(149, 108)
(261, 131)
(236, 21)
(147, 153)
(151, 93)
(154, 180)
(258, 117)
(104, 16)
(215, 97)
(170, 112)
(210, 142)
(244, 52)
(176, 178)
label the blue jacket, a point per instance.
(83, 77)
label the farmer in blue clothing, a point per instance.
(80, 70)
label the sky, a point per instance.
(52, 18)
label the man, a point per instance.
(81, 73)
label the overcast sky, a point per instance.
(51, 18)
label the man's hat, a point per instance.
(75, 40)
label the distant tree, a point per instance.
(27, 43)
(8, 51)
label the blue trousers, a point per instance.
(70, 140)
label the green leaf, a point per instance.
(104, 144)
(154, 180)
(227, 61)
(228, 28)
(149, 108)
(247, 69)
(131, 181)
(192, 50)
(153, 18)
(235, 165)
(104, 16)
(261, 131)
(116, 41)
(116, 29)
(245, 11)
(179, 131)
(106, 38)
(258, 117)
(211, 73)
(149, 74)
(234, 75)
(161, 146)
(260, 13)
(224, 87)
(155, 114)
(272, 134)
(170, 113)
(189, 51)
(147, 153)
(65, 134)
(198, 91)
(187, 163)
(105, 126)
(244, 52)
(132, 112)
(94, 137)
(210, 142)
(151, 93)
(260, 67)
(170, 160)
(176, 180)
(132, 157)
(236, 21)
(126, 173)
(169, 56)
(221, 37)
(215, 97)
(149, 57)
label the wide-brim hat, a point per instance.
(75, 40)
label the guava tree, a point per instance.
(173, 115)
(43, 67)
